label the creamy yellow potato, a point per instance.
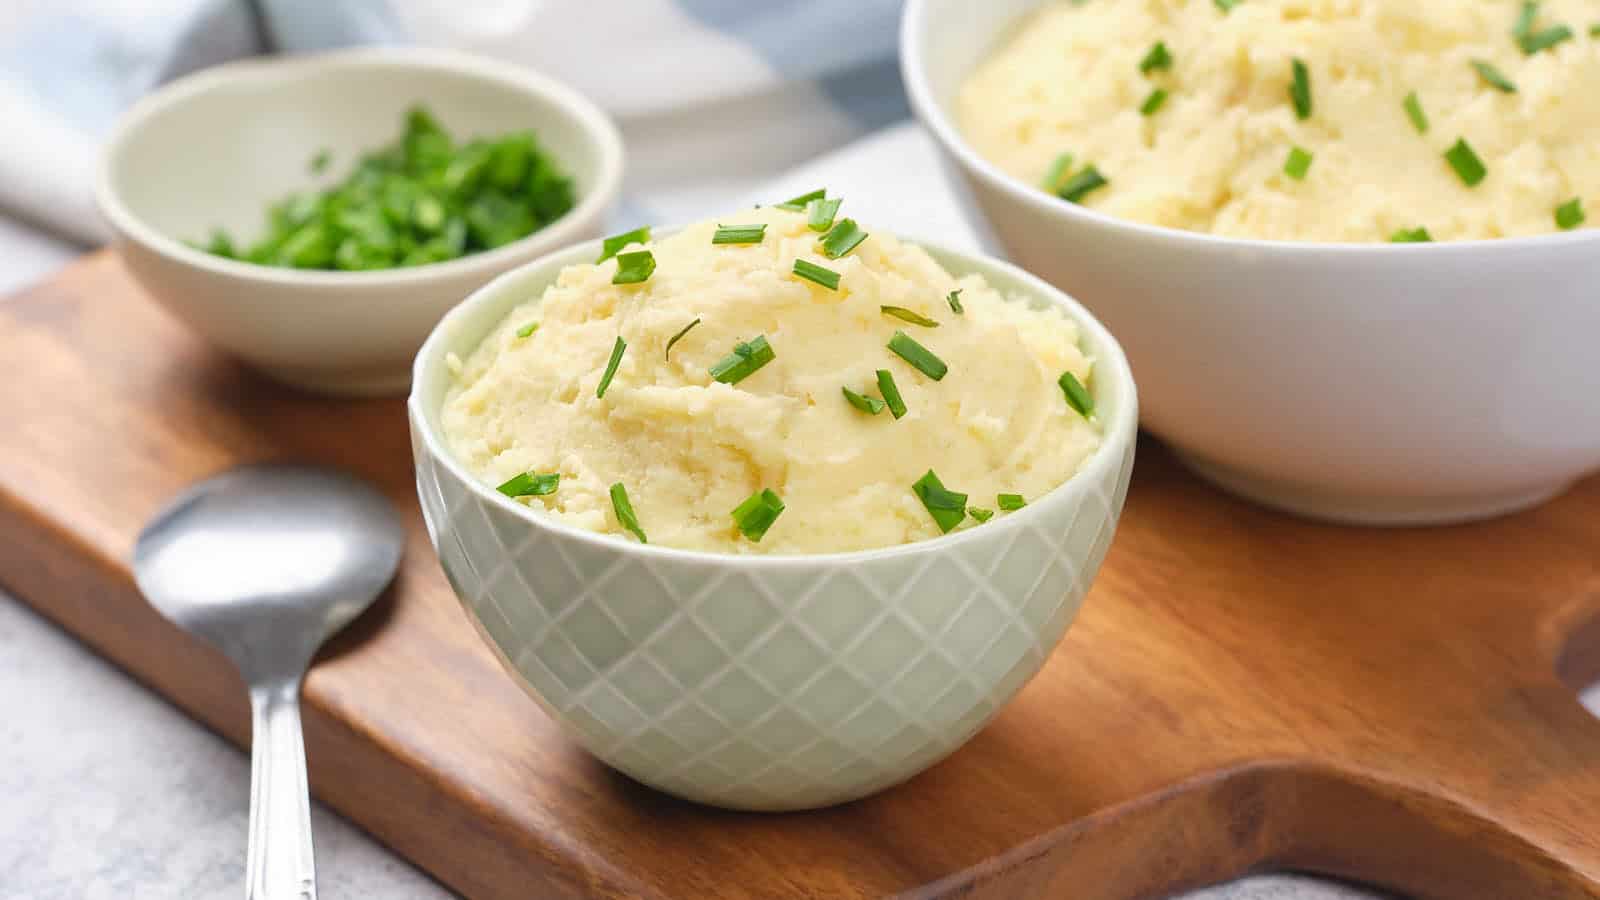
(689, 449)
(1212, 158)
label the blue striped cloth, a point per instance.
(784, 80)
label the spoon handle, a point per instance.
(280, 864)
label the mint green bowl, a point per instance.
(768, 682)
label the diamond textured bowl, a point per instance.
(1383, 383)
(216, 147)
(769, 682)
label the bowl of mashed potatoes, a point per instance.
(772, 511)
(1348, 244)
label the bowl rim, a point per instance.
(1118, 433)
(266, 70)
(913, 71)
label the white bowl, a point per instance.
(215, 148)
(1375, 383)
(776, 682)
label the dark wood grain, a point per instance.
(1243, 691)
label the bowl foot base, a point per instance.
(1358, 509)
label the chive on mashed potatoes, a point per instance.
(779, 380)
(1314, 120)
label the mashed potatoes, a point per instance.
(689, 449)
(1212, 157)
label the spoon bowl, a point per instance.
(266, 563)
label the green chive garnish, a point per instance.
(1226, 5)
(530, 484)
(798, 204)
(1466, 163)
(947, 507)
(907, 315)
(844, 237)
(1157, 58)
(611, 367)
(820, 213)
(624, 511)
(1545, 39)
(1411, 236)
(610, 246)
(1525, 19)
(1594, 30)
(679, 336)
(1300, 90)
(1058, 171)
(1009, 502)
(1419, 119)
(527, 329)
(954, 299)
(980, 514)
(891, 393)
(920, 357)
(746, 358)
(1298, 163)
(739, 234)
(1077, 395)
(1152, 104)
(869, 405)
(1079, 185)
(756, 514)
(634, 267)
(1569, 215)
(1493, 77)
(810, 271)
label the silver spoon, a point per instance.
(266, 563)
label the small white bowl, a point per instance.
(768, 682)
(1378, 383)
(215, 148)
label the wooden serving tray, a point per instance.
(1243, 691)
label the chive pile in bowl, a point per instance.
(425, 198)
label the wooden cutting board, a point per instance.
(1243, 690)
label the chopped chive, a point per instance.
(954, 299)
(1493, 77)
(798, 204)
(1158, 57)
(679, 336)
(739, 234)
(1058, 171)
(891, 393)
(634, 267)
(757, 513)
(527, 329)
(1411, 236)
(319, 163)
(611, 366)
(1298, 163)
(820, 213)
(1078, 396)
(1594, 30)
(624, 511)
(1153, 103)
(1569, 215)
(980, 514)
(1525, 19)
(907, 315)
(530, 484)
(869, 405)
(1300, 90)
(1009, 502)
(1544, 39)
(1079, 185)
(845, 236)
(1419, 119)
(920, 357)
(1466, 163)
(746, 358)
(1226, 5)
(610, 246)
(947, 507)
(810, 271)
